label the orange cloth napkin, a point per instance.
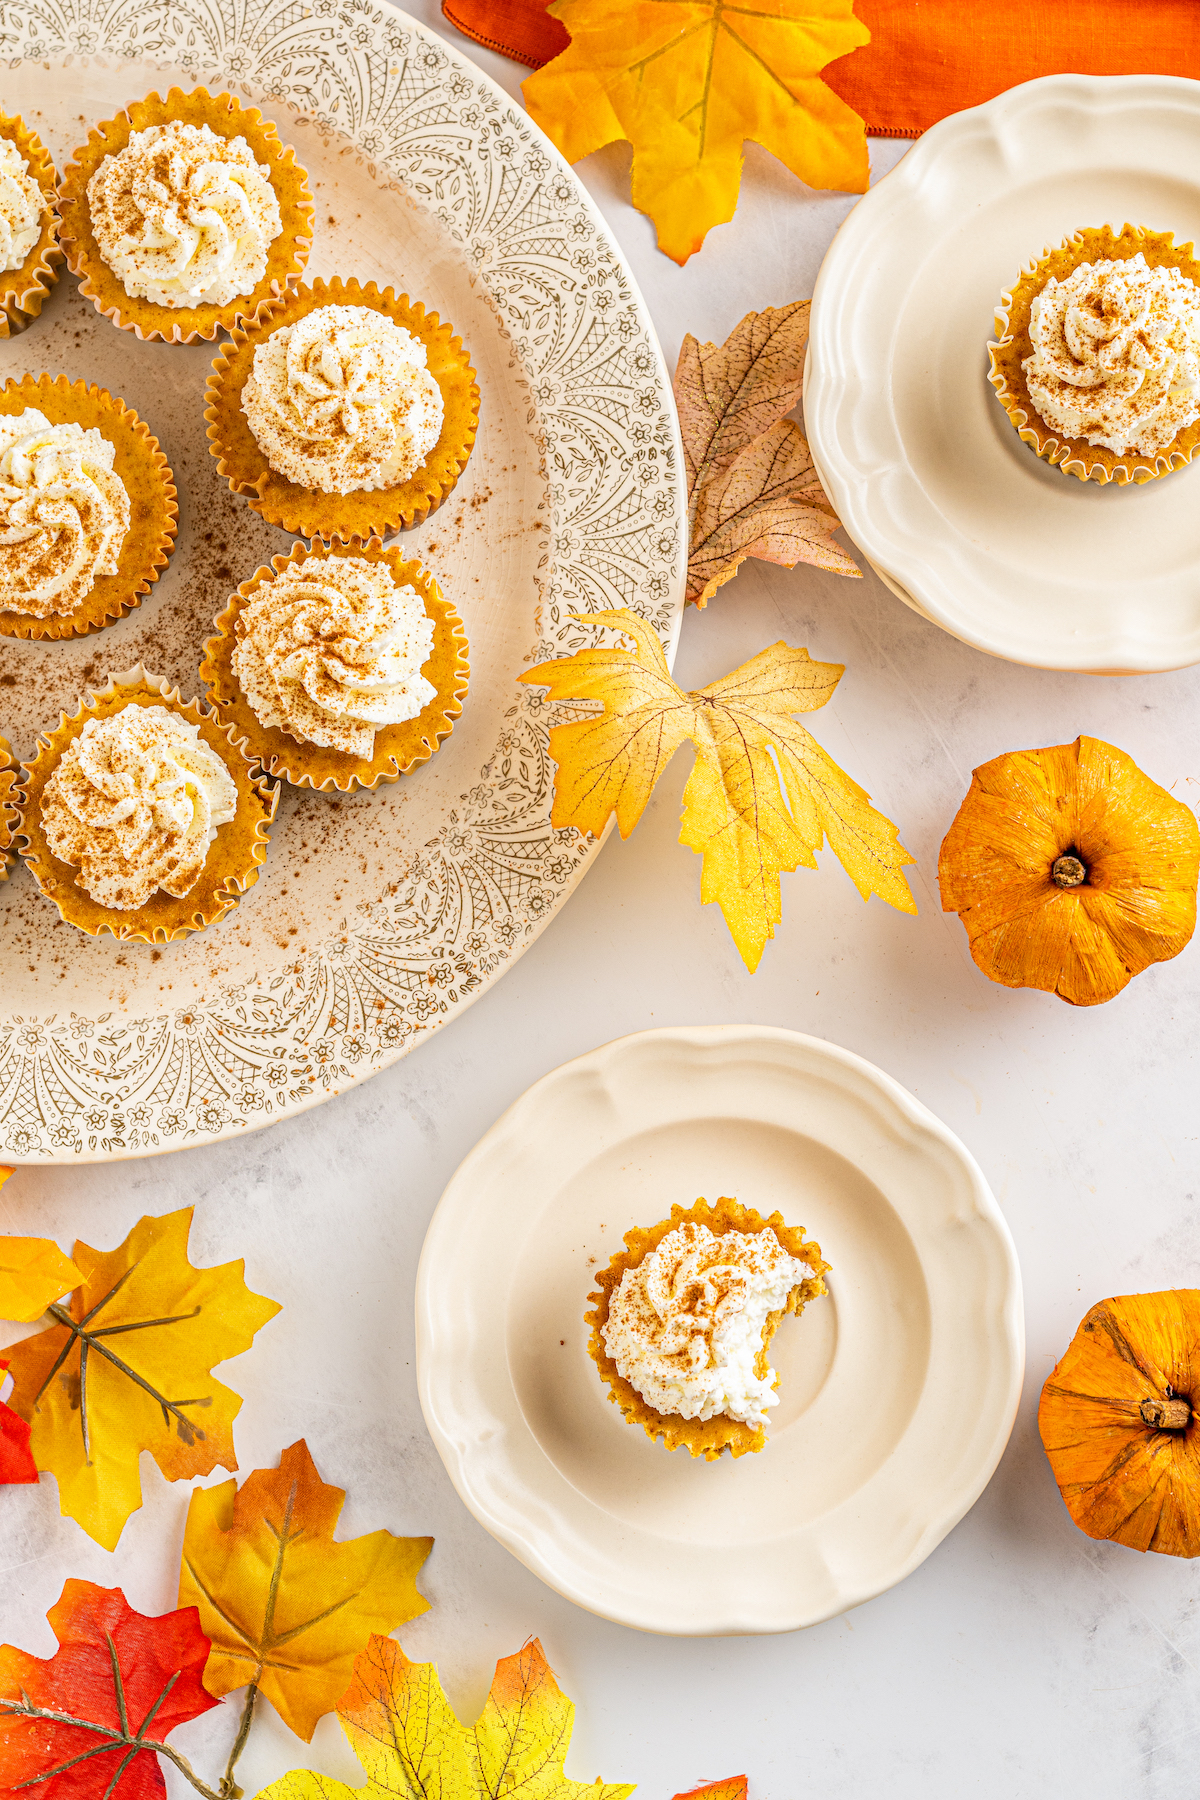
(928, 58)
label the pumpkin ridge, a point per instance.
(1121, 1344)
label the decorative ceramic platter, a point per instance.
(898, 1389)
(378, 917)
(960, 518)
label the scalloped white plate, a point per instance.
(898, 1389)
(378, 917)
(960, 517)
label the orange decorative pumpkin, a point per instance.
(1071, 870)
(1118, 1422)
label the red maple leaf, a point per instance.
(16, 1458)
(89, 1721)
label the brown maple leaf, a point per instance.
(752, 487)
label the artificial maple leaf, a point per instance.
(687, 82)
(286, 1607)
(762, 796)
(33, 1272)
(127, 1369)
(88, 1723)
(401, 1728)
(752, 487)
(17, 1466)
(734, 1787)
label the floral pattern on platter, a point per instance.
(480, 890)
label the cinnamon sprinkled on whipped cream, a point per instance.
(184, 217)
(135, 803)
(333, 649)
(685, 1327)
(1116, 355)
(64, 513)
(22, 204)
(342, 401)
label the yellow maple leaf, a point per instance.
(686, 82)
(127, 1369)
(752, 487)
(287, 1608)
(33, 1272)
(762, 796)
(405, 1735)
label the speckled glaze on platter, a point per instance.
(377, 916)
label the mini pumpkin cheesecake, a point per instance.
(185, 215)
(348, 413)
(683, 1321)
(141, 817)
(88, 513)
(1098, 363)
(30, 255)
(338, 667)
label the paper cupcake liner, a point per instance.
(233, 861)
(703, 1437)
(398, 748)
(10, 812)
(23, 290)
(1075, 456)
(354, 518)
(286, 257)
(148, 481)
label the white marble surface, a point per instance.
(1021, 1659)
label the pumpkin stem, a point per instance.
(1173, 1414)
(1068, 872)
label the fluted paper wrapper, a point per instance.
(398, 748)
(10, 812)
(703, 1437)
(23, 291)
(286, 256)
(233, 861)
(1075, 456)
(354, 518)
(154, 514)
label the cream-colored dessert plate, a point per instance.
(898, 1389)
(378, 917)
(917, 454)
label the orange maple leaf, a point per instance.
(687, 82)
(734, 1787)
(752, 487)
(287, 1608)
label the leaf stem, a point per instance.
(229, 1790)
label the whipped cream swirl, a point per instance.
(342, 401)
(22, 204)
(686, 1326)
(1116, 355)
(134, 804)
(184, 217)
(333, 649)
(64, 513)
